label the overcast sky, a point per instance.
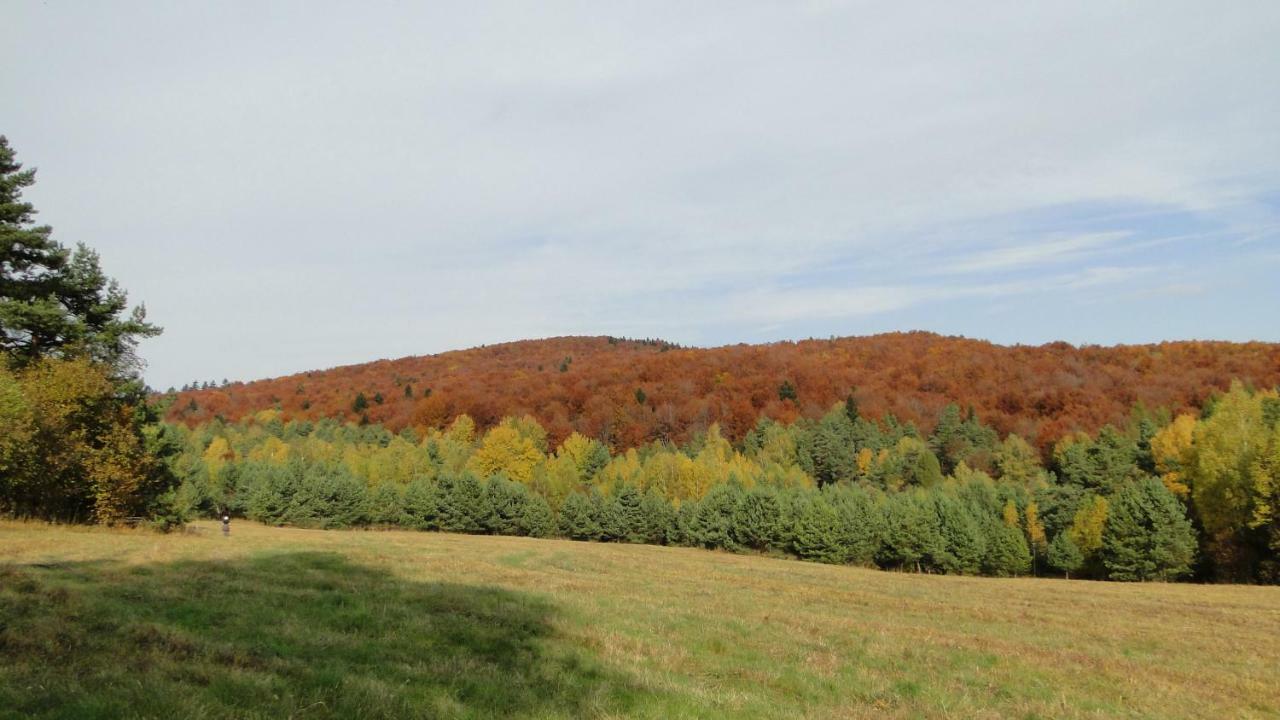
(290, 186)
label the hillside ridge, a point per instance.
(630, 391)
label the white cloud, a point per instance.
(1037, 253)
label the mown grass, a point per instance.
(278, 623)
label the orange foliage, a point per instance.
(1041, 393)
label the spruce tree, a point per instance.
(537, 520)
(826, 449)
(1007, 551)
(1064, 555)
(815, 532)
(607, 516)
(629, 515)
(962, 537)
(464, 507)
(1148, 535)
(658, 518)
(713, 523)
(506, 502)
(913, 536)
(578, 519)
(422, 504)
(756, 524)
(386, 505)
(860, 522)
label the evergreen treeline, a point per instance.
(1189, 497)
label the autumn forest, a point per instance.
(908, 451)
(629, 392)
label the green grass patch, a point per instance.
(278, 623)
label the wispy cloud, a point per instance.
(1033, 253)
(776, 306)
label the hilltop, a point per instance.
(632, 391)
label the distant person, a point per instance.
(226, 524)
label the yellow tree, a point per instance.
(1088, 525)
(555, 479)
(1035, 532)
(17, 428)
(452, 448)
(119, 469)
(82, 454)
(462, 430)
(1018, 462)
(1011, 514)
(1171, 450)
(587, 455)
(1265, 474)
(529, 428)
(1225, 447)
(777, 447)
(864, 459)
(217, 455)
(271, 450)
(505, 450)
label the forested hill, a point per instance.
(632, 391)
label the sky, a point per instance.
(292, 186)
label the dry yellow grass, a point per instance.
(605, 630)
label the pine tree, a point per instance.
(506, 502)
(964, 543)
(860, 522)
(659, 518)
(327, 496)
(55, 302)
(756, 524)
(684, 527)
(826, 449)
(464, 507)
(713, 524)
(606, 516)
(1148, 535)
(1007, 551)
(630, 516)
(816, 531)
(538, 520)
(913, 538)
(1064, 555)
(386, 505)
(422, 504)
(577, 518)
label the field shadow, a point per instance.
(302, 635)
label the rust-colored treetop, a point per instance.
(628, 392)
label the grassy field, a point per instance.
(280, 623)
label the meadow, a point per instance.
(278, 623)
